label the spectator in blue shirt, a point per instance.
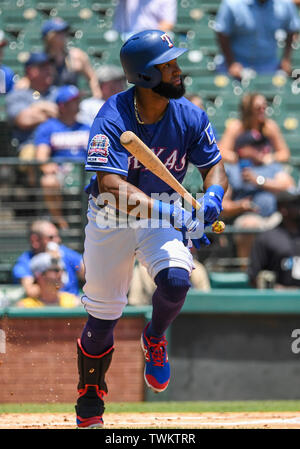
(6, 73)
(58, 139)
(42, 233)
(246, 31)
(27, 108)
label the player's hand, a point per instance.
(212, 203)
(190, 225)
(198, 243)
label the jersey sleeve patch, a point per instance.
(210, 134)
(98, 149)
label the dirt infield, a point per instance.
(251, 420)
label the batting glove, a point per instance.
(190, 225)
(212, 203)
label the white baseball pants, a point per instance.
(109, 256)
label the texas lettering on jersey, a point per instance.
(170, 160)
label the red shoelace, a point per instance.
(158, 351)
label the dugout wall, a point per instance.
(225, 345)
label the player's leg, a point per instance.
(172, 286)
(108, 258)
(95, 349)
(169, 263)
(91, 386)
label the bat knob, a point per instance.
(218, 227)
(126, 137)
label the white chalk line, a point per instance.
(203, 422)
(214, 422)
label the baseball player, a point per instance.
(179, 133)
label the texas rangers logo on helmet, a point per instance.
(98, 147)
(167, 39)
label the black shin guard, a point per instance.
(92, 386)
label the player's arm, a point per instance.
(214, 175)
(124, 195)
(215, 185)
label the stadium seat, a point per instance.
(5, 133)
(289, 123)
(102, 43)
(272, 87)
(74, 14)
(228, 102)
(195, 64)
(14, 17)
(75, 177)
(228, 280)
(46, 6)
(10, 294)
(190, 16)
(2, 108)
(11, 58)
(210, 7)
(204, 35)
(294, 170)
(293, 142)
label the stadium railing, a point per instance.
(22, 201)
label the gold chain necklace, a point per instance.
(137, 116)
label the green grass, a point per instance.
(161, 407)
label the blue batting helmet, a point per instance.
(142, 51)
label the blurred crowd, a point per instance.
(50, 120)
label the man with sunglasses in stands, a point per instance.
(48, 272)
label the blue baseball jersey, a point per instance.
(183, 135)
(6, 79)
(65, 141)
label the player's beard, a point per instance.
(169, 91)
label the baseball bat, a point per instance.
(142, 153)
